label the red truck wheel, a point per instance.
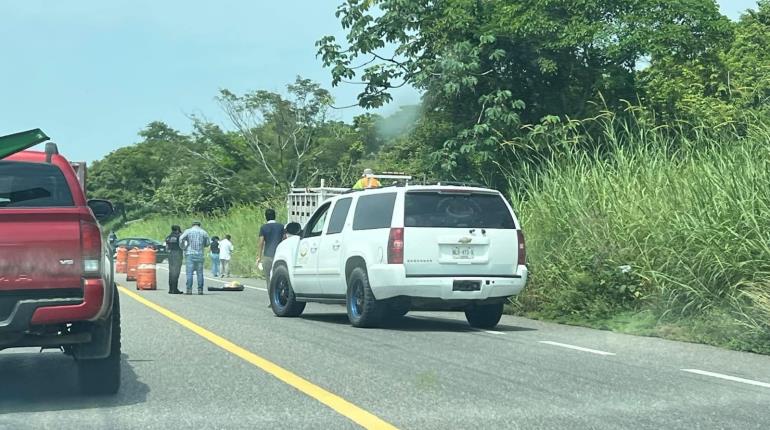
(102, 376)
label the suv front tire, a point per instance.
(282, 298)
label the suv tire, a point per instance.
(102, 376)
(282, 298)
(363, 308)
(484, 316)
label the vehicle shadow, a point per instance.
(31, 382)
(413, 323)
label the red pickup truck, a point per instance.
(57, 285)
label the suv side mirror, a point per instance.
(294, 228)
(102, 209)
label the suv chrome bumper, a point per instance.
(388, 281)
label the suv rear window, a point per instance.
(33, 185)
(455, 210)
(374, 211)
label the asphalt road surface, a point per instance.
(223, 361)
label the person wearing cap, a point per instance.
(194, 241)
(367, 181)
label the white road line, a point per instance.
(728, 377)
(579, 348)
(221, 280)
(493, 332)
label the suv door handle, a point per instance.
(336, 245)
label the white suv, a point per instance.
(386, 251)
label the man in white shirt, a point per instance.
(226, 249)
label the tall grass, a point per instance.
(242, 223)
(688, 215)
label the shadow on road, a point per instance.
(414, 323)
(31, 382)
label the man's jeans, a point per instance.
(215, 264)
(225, 267)
(194, 263)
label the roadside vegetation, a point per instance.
(662, 234)
(633, 141)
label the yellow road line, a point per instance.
(337, 403)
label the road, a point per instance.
(223, 361)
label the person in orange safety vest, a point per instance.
(367, 181)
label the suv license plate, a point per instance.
(466, 286)
(462, 253)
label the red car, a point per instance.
(56, 271)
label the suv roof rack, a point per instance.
(453, 183)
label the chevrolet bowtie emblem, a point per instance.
(465, 240)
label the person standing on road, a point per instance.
(174, 259)
(112, 239)
(194, 241)
(270, 235)
(226, 249)
(214, 256)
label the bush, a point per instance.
(663, 223)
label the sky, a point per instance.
(93, 73)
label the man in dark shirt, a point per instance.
(270, 235)
(174, 259)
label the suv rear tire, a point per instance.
(363, 308)
(102, 376)
(484, 316)
(282, 298)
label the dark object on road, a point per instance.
(57, 288)
(230, 286)
(143, 242)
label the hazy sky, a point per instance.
(92, 73)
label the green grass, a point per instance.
(242, 223)
(689, 215)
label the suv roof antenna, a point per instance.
(50, 150)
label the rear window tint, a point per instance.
(33, 185)
(374, 211)
(339, 214)
(432, 209)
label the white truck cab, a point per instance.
(383, 252)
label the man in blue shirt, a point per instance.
(194, 241)
(270, 235)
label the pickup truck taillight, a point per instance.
(90, 249)
(396, 246)
(522, 260)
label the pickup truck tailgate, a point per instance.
(40, 249)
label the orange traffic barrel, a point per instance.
(132, 261)
(145, 271)
(121, 260)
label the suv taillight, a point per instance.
(522, 260)
(90, 249)
(396, 246)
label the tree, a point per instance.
(280, 133)
(748, 60)
(491, 66)
(130, 175)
